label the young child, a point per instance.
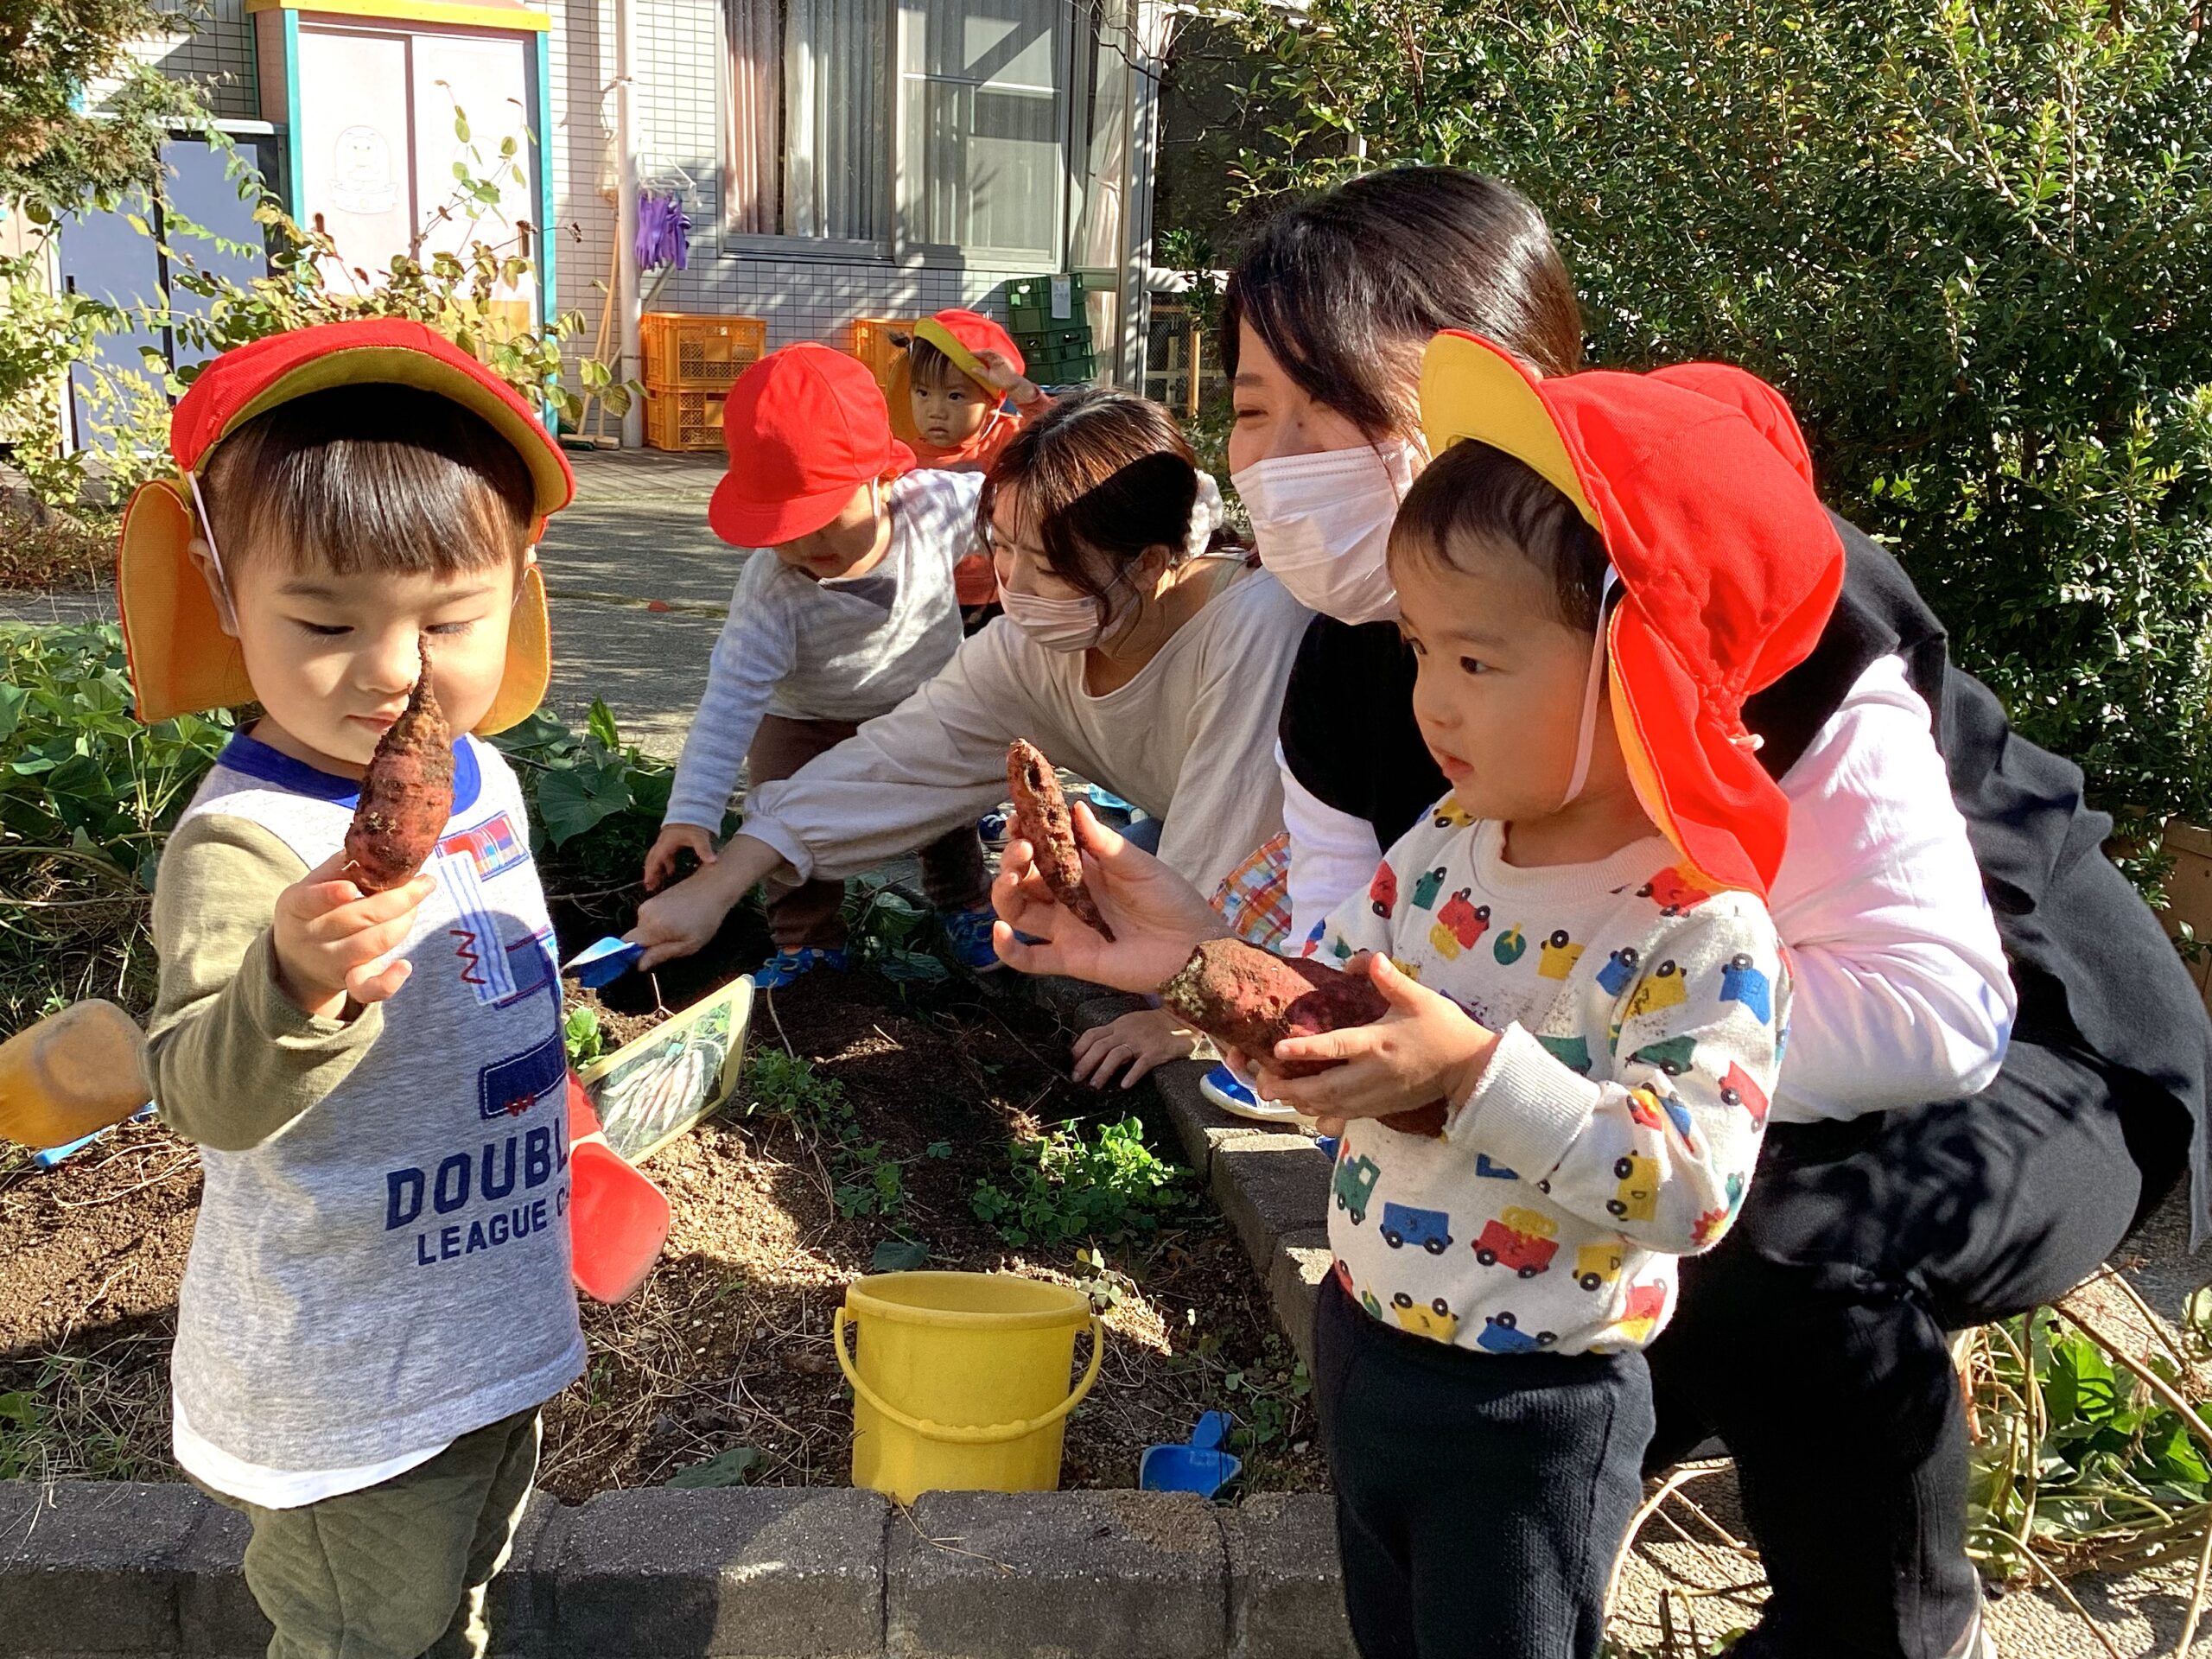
(1587, 997)
(377, 1082)
(845, 608)
(962, 370)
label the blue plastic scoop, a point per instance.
(1200, 1466)
(605, 963)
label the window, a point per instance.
(806, 131)
(972, 128)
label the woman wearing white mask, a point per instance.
(1975, 1109)
(1137, 649)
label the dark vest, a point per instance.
(2095, 971)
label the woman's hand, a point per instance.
(674, 838)
(1140, 1041)
(1157, 917)
(683, 919)
(325, 938)
(1427, 1048)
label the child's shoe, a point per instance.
(969, 933)
(1229, 1092)
(786, 966)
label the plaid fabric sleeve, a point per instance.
(1254, 898)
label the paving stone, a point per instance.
(1201, 1126)
(1270, 1186)
(91, 1567)
(1286, 1588)
(791, 1573)
(217, 1615)
(1295, 1273)
(1057, 1575)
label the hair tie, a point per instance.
(1206, 513)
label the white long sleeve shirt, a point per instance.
(1903, 995)
(1188, 739)
(847, 649)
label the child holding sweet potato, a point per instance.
(378, 1299)
(1550, 1057)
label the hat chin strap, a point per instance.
(1585, 739)
(215, 553)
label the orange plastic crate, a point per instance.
(683, 420)
(874, 341)
(688, 353)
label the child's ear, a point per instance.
(203, 560)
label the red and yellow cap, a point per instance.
(961, 334)
(182, 660)
(805, 428)
(1698, 480)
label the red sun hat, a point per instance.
(1698, 480)
(807, 427)
(963, 335)
(182, 659)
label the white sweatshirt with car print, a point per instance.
(1642, 1019)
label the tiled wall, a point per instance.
(218, 54)
(680, 146)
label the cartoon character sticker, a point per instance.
(1742, 982)
(1559, 955)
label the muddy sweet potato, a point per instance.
(1040, 818)
(1246, 998)
(406, 797)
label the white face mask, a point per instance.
(1068, 624)
(1322, 522)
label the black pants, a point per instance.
(1813, 1339)
(1480, 1498)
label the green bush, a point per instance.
(1972, 243)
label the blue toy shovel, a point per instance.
(604, 962)
(1201, 1466)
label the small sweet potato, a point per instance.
(407, 795)
(1040, 818)
(1244, 997)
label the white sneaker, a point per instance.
(1229, 1092)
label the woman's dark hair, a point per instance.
(930, 368)
(1345, 289)
(370, 478)
(1475, 495)
(1103, 476)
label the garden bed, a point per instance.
(876, 1117)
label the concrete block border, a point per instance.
(113, 1569)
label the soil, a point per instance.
(728, 1343)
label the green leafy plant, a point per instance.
(866, 1180)
(1973, 243)
(596, 802)
(1064, 1187)
(888, 931)
(87, 796)
(581, 1035)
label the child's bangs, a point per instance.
(1473, 496)
(365, 479)
(931, 370)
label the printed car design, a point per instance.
(1354, 1186)
(1619, 971)
(1403, 1224)
(1573, 1052)
(1662, 988)
(1737, 1088)
(1597, 1265)
(1636, 1197)
(1524, 1240)
(1426, 886)
(1383, 890)
(1742, 982)
(1645, 1304)
(1673, 1056)
(1459, 925)
(1675, 894)
(1501, 1334)
(1434, 1319)
(1559, 955)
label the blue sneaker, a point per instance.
(786, 966)
(970, 932)
(993, 828)
(1232, 1095)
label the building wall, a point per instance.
(217, 53)
(678, 43)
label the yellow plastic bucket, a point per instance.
(961, 1382)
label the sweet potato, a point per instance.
(407, 795)
(1245, 998)
(1040, 818)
